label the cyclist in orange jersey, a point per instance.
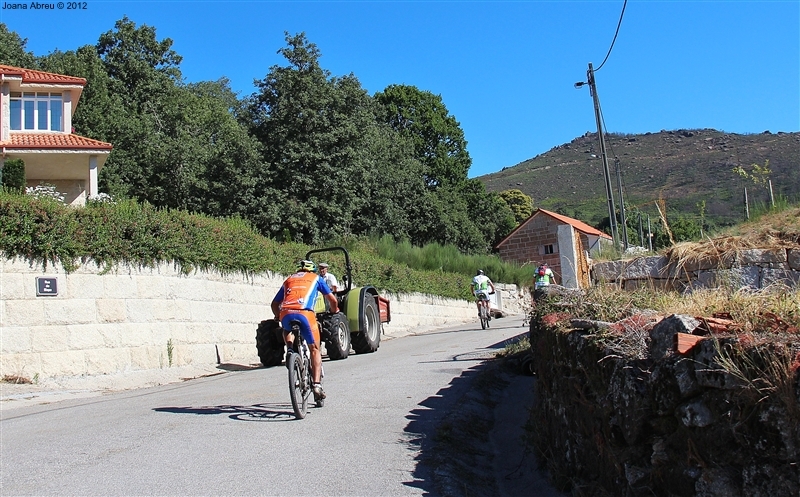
(295, 302)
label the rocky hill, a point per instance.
(684, 167)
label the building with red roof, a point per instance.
(563, 243)
(36, 110)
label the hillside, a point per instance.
(683, 166)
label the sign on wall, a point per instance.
(46, 287)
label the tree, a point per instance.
(141, 66)
(519, 203)
(101, 108)
(312, 129)
(12, 49)
(438, 139)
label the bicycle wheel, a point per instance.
(484, 318)
(298, 391)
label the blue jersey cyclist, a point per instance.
(295, 302)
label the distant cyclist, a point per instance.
(295, 302)
(480, 288)
(543, 277)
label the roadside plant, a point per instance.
(45, 190)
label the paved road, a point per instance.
(235, 434)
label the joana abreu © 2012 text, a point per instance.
(46, 6)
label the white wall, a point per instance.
(123, 319)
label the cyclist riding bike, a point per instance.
(294, 302)
(480, 288)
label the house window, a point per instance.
(547, 249)
(37, 111)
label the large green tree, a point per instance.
(313, 130)
(437, 136)
(175, 145)
(13, 50)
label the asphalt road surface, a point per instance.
(235, 433)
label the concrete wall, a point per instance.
(127, 319)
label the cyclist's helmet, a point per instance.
(305, 265)
(480, 271)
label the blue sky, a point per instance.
(504, 69)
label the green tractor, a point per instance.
(358, 322)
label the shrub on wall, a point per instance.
(45, 231)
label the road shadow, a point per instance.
(494, 325)
(488, 352)
(257, 412)
(430, 433)
(230, 366)
(421, 430)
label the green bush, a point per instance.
(37, 229)
(448, 259)
(104, 233)
(14, 175)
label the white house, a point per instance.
(36, 110)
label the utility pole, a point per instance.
(746, 204)
(641, 231)
(612, 218)
(623, 218)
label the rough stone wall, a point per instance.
(127, 318)
(609, 421)
(752, 268)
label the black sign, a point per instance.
(46, 287)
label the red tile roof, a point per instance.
(53, 141)
(32, 76)
(578, 225)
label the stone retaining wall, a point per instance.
(630, 412)
(128, 319)
(753, 268)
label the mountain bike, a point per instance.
(300, 381)
(483, 310)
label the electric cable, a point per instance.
(615, 35)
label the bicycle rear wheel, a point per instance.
(484, 318)
(298, 389)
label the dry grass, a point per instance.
(15, 379)
(774, 230)
(765, 369)
(770, 311)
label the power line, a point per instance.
(625, 3)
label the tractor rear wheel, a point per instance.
(369, 339)
(269, 343)
(338, 343)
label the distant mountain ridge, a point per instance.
(684, 166)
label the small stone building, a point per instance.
(562, 242)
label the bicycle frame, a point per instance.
(300, 381)
(483, 310)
